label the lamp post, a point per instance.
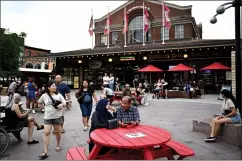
(220, 10)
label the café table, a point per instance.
(141, 137)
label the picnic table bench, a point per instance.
(154, 144)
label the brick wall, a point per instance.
(233, 73)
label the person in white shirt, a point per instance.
(106, 80)
(53, 102)
(229, 115)
(141, 92)
(107, 92)
(164, 86)
(111, 82)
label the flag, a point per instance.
(167, 21)
(125, 28)
(146, 21)
(91, 26)
(107, 26)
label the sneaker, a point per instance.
(33, 111)
(43, 110)
(210, 139)
(146, 104)
(85, 128)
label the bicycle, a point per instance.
(4, 141)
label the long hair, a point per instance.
(88, 87)
(229, 95)
(48, 86)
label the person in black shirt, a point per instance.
(84, 97)
(100, 119)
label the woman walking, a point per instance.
(31, 97)
(54, 103)
(84, 97)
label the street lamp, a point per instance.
(220, 10)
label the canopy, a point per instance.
(181, 68)
(35, 70)
(150, 68)
(216, 66)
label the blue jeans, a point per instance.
(86, 109)
(235, 119)
(111, 86)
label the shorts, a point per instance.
(106, 85)
(86, 109)
(235, 119)
(22, 123)
(109, 96)
(157, 90)
(57, 121)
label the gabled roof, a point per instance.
(150, 1)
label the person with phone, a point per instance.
(128, 114)
(16, 118)
(53, 102)
(230, 115)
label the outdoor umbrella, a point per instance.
(150, 68)
(216, 66)
(181, 68)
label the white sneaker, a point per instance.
(85, 128)
(146, 104)
(33, 111)
(43, 110)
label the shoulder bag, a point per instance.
(55, 103)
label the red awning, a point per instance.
(150, 68)
(216, 66)
(181, 68)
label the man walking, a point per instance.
(64, 90)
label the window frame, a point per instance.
(179, 31)
(115, 41)
(167, 33)
(101, 39)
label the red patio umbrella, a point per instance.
(181, 68)
(216, 66)
(150, 68)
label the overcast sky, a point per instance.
(63, 25)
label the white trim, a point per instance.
(34, 70)
(155, 2)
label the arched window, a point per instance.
(29, 65)
(135, 34)
(37, 66)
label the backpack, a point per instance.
(87, 98)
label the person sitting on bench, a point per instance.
(100, 119)
(229, 115)
(16, 119)
(107, 92)
(157, 89)
(127, 92)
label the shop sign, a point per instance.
(137, 7)
(94, 64)
(76, 82)
(127, 58)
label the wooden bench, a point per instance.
(179, 149)
(76, 154)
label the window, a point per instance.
(103, 39)
(29, 53)
(29, 65)
(166, 34)
(37, 66)
(114, 37)
(135, 33)
(179, 31)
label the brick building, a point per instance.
(183, 44)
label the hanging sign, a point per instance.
(127, 58)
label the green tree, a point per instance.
(10, 48)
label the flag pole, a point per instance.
(143, 24)
(92, 27)
(163, 19)
(125, 19)
(108, 28)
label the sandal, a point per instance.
(43, 156)
(58, 148)
(41, 127)
(63, 131)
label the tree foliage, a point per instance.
(10, 48)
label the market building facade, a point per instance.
(183, 44)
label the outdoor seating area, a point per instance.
(117, 97)
(142, 142)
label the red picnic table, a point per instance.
(117, 97)
(142, 142)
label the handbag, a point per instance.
(55, 103)
(113, 124)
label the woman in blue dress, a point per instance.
(31, 97)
